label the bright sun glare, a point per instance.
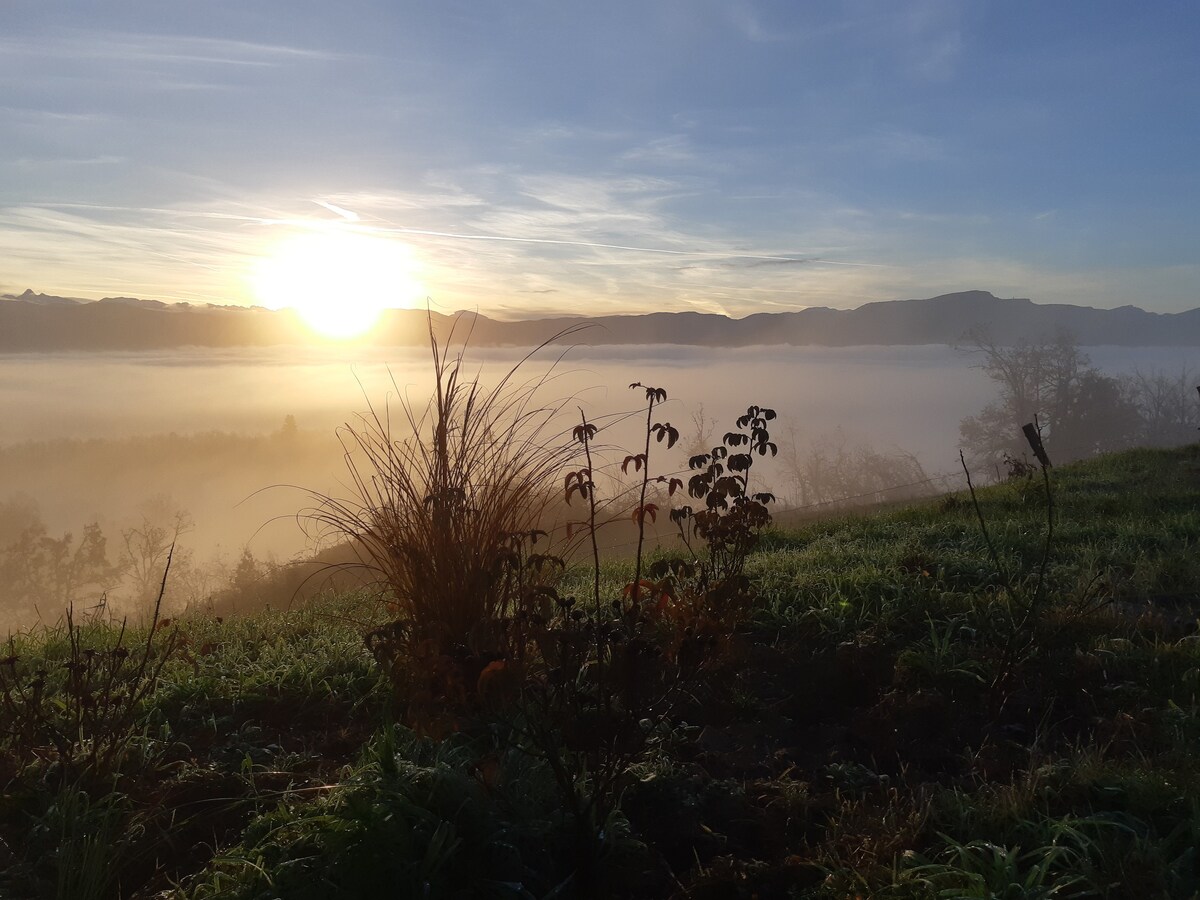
(338, 281)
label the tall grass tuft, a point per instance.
(440, 492)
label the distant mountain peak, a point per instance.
(31, 296)
(964, 296)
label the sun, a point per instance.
(338, 281)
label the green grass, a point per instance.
(858, 739)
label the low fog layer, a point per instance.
(889, 392)
(226, 442)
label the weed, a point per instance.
(83, 712)
(981, 869)
(733, 516)
(1025, 604)
(89, 836)
(867, 836)
(595, 688)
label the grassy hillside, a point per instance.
(906, 712)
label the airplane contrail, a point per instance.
(338, 211)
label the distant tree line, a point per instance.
(119, 573)
(1079, 410)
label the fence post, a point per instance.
(1035, 443)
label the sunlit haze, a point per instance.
(339, 281)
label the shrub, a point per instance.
(437, 497)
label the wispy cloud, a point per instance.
(896, 145)
(740, 154)
(50, 115)
(932, 34)
(94, 252)
(922, 39)
(960, 219)
(751, 24)
(128, 47)
(673, 149)
(79, 161)
(593, 245)
(438, 193)
(541, 236)
(93, 248)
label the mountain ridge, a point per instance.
(34, 322)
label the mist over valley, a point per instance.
(234, 439)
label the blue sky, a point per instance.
(539, 157)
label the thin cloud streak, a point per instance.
(717, 254)
(128, 47)
(353, 217)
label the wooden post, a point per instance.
(1035, 443)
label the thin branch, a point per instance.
(987, 537)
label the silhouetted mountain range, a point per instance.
(33, 322)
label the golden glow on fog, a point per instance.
(338, 281)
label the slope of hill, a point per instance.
(898, 721)
(37, 322)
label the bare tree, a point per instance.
(1168, 406)
(147, 544)
(1081, 410)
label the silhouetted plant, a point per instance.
(1026, 603)
(84, 711)
(449, 520)
(597, 683)
(732, 515)
(601, 682)
(711, 589)
(1018, 468)
(433, 513)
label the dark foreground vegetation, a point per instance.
(884, 707)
